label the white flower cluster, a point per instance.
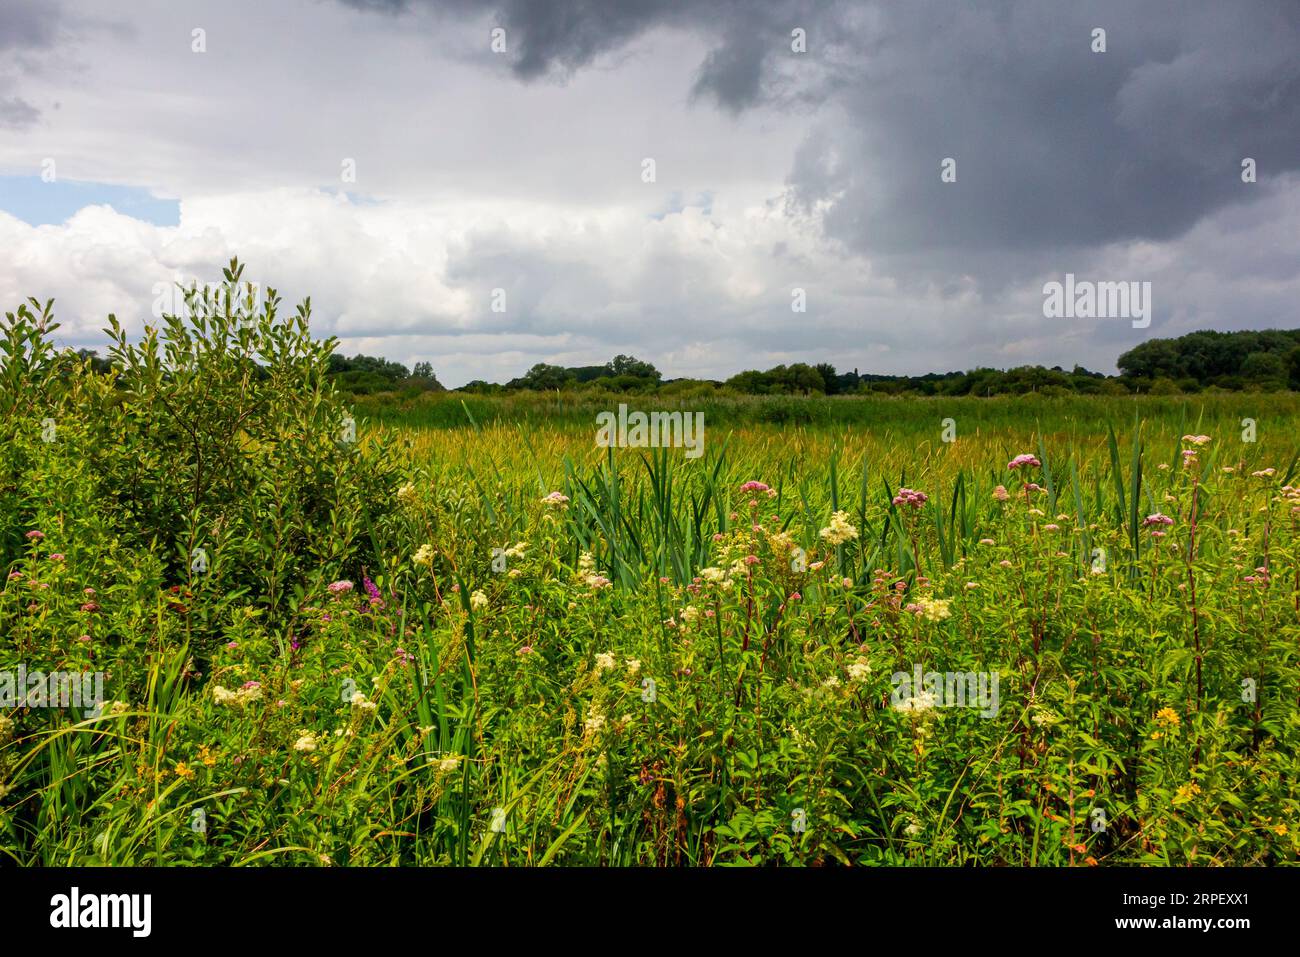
(236, 699)
(839, 531)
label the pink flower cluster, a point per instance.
(1024, 459)
(907, 496)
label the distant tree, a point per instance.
(830, 379)
(622, 365)
(543, 378)
(1265, 368)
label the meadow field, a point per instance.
(858, 631)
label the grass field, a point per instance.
(471, 637)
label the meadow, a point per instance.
(455, 632)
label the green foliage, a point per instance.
(405, 650)
(1222, 358)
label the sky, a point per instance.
(485, 186)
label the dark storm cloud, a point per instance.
(1055, 144)
(556, 38)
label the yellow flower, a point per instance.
(183, 770)
(1187, 792)
(1168, 718)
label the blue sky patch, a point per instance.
(38, 203)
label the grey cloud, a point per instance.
(553, 38)
(16, 113)
(28, 24)
(1055, 144)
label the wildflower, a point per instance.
(250, 692)
(633, 665)
(340, 587)
(558, 499)
(594, 722)
(604, 662)
(407, 495)
(525, 650)
(1186, 792)
(516, 550)
(1157, 519)
(446, 765)
(859, 670)
(839, 531)
(931, 609)
(1262, 473)
(1044, 718)
(832, 682)
(754, 487)
(1001, 494)
(987, 541)
(1024, 459)
(57, 557)
(306, 742)
(712, 574)
(1167, 718)
(1051, 527)
(587, 572)
(423, 555)
(183, 770)
(847, 582)
(35, 535)
(907, 496)
(917, 704)
(1196, 439)
(689, 614)
(913, 829)
(361, 702)
(478, 600)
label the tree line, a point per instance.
(1229, 361)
